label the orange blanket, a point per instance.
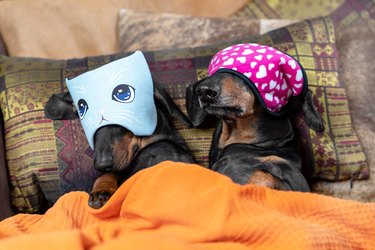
(181, 206)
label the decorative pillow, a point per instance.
(63, 29)
(60, 28)
(155, 31)
(48, 158)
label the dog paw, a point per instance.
(99, 198)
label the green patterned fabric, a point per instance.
(49, 158)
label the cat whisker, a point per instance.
(81, 89)
(126, 116)
(117, 76)
(89, 123)
(120, 112)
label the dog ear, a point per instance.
(60, 107)
(311, 115)
(196, 114)
(169, 106)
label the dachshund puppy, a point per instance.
(118, 153)
(253, 141)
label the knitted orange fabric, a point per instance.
(185, 206)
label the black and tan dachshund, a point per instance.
(249, 145)
(118, 153)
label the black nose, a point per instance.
(208, 92)
(103, 163)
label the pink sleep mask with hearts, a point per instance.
(274, 76)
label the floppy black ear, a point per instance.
(167, 104)
(195, 113)
(60, 107)
(312, 116)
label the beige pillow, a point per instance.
(62, 29)
(59, 28)
(151, 31)
(154, 31)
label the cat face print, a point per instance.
(118, 93)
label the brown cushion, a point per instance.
(156, 31)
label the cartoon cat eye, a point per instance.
(123, 93)
(82, 108)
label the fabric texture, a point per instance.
(64, 29)
(274, 76)
(161, 208)
(118, 93)
(42, 154)
(157, 31)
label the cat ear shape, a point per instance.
(165, 102)
(60, 107)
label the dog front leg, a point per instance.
(262, 178)
(104, 187)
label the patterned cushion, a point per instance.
(48, 158)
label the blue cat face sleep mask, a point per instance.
(118, 93)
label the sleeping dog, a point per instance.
(125, 138)
(118, 153)
(253, 141)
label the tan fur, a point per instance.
(240, 129)
(262, 178)
(123, 150)
(105, 183)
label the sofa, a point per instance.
(61, 39)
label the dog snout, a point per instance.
(208, 92)
(104, 163)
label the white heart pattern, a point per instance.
(269, 57)
(253, 64)
(247, 52)
(264, 85)
(297, 86)
(247, 74)
(277, 99)
(262, 72)
(269, 96)
(299, 75)
(282, 61)
(261, 51)
(272, 84)
(228, 62)
(258, 57)
(292, 64)
(271, 66)
(241, 59)
(284, 86)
